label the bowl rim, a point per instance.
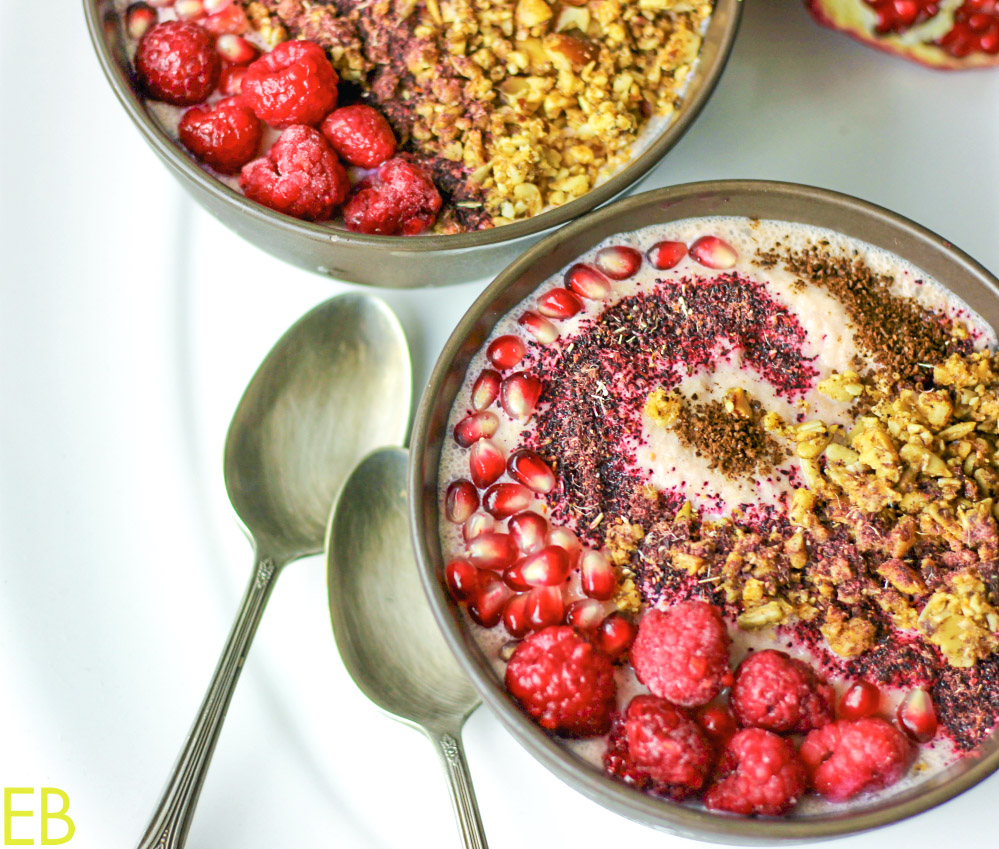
(423, 503)
(726, 17)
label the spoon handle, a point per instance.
(172, 818)
(466, 808)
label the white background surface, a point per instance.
(130, 322)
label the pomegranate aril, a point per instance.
(564, 538)
(462, 579)
(502, 500)
(533, 472)
(506, 351)
(664, 255)
(916, 715)
(528, 530)
(586, 614)
(539, 327)
(460, 501)
(477, 524)
(718, 722)
(515, 616)
(618, 262)
(487, 602)
(485, 463)
(547, 568)
(545, 607)
(587, 282)
(231, 19)
(139, 19)
(713, 253)
(235, 49)
(861, 699)
(231, 80)
(559, 303)
(475, 427)
(513, 577)
(189, 10)
(492, 550)
(597, 576)
(615, 636)
(519, 394)
(486, 389)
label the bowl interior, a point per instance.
(332, 250)
(787, 202)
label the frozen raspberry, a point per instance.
(682, 654)
(177, 63)
(563, 682)
(759, 773)
(360, 135)
(398, 199)
(849, 756)
(293, 84)
(225, 137)
(300, 176)
(657, 747)
(779, 693)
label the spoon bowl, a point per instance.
(336, 385)
(384, 629)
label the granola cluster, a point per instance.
(516, 105)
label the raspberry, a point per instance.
(658, 748)
(177, 63)
(399, 198)
(300, 176)
(360, 135)
(682, 654)
(293, 84)
(225, 137)
(759, 773)
(849, 756)
(779, 693)
(563, 682)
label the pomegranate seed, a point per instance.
(533, 472)
(665, 255)
(492, 550)
(618, 262)
(475, 427)
(597, 575)
(713, 252)
(502, 500)
(487, 602)
(507, 649)
(232, 20)
(477, 523)
(564, 538)
(528, 530)
(615, 636)
(213, 7)
(587, 282)
(545, 607)
(189, 10)
(586, 614)
(462, 579)
(515, 616)
(506, 351)
(548, 568)
(862, 699)
(559, 303)
(235, 49)
(513, 577)
(486, 389)
(543, 331)
(139, 19)
(461, 501)
(486, 463)
(519, 394)
(917, 716)
(231, 80)
(718, 722)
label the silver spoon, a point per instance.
(336, 385)
(386, 634)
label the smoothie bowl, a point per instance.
(330, 132)
(702, 494)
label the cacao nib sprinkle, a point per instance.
(967, 702)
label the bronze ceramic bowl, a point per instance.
(411, 262)
(780, 201)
